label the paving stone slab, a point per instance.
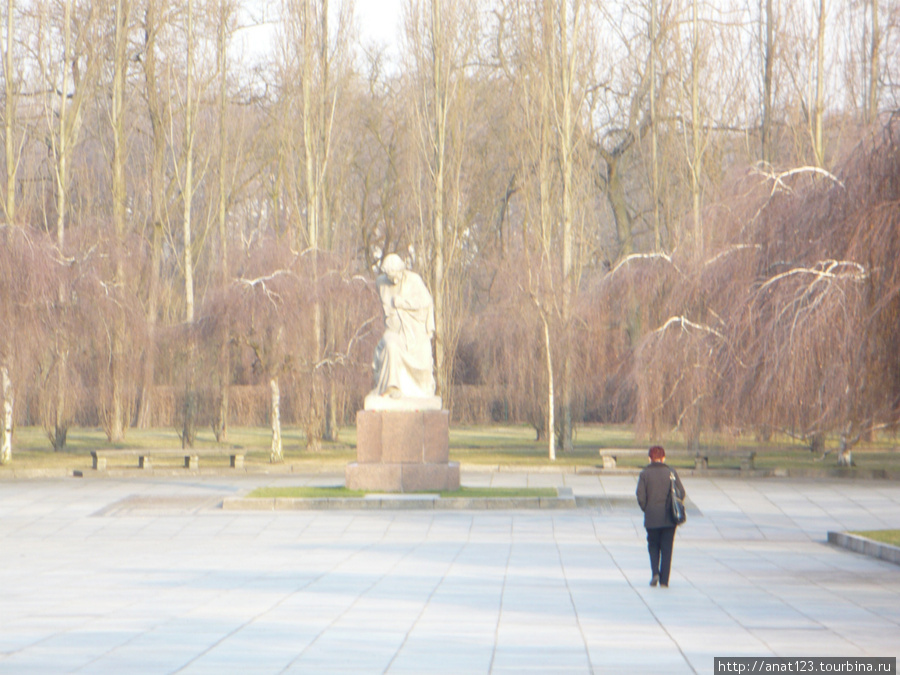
(152, 576)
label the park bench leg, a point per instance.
(144, 462)
(609, 462)
(191, 461)
(701, 463)
(99, 463)
(237, 461)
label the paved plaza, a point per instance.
(150, 575)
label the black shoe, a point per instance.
(654, 580)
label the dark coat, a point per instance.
(653, 492)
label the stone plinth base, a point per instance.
(404, 403)
(403, 477)
(402, 452)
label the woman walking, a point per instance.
(653, 489)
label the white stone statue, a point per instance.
(403, 363)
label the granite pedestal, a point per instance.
(402, 451)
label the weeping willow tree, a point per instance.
(790, 325)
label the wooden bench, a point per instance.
(610, 455)
(745, 457)
(145, 456)
(701, 457)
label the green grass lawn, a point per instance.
(485, 445)
(336, 492)
(891, 537)
(32, 450)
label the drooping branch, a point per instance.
(642, 256)
(342, 358)
(686, 323)
(778, 178)
(824, 269)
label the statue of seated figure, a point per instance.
(403, 364)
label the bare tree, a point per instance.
(11, 83)
(874, 64)
(9, 126)
(697, 135)
(569, 101)
(6, 396)
(549, 58)
(29, 279)
(786, 327)
(654, 130)
(225, 16)
(187, 186)
(526, 56)
(118, 422)
(70, 70)
(860, 27)
(439, 43)
(153, 26)
(819, 114)
(314, 53)
(271, 310)
(768, 21)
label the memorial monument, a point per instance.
(403, 431)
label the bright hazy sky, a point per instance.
(378, 21)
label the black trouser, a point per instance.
(660, 541)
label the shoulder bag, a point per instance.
(676, 505)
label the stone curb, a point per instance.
(282, 469)
(564, 500)
(866, 546)
(14, 473)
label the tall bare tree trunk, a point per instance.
(551, 396)
(439, 131)
(145, 413)
(569, 47)
(819, 122)
(310, 118)
(845, 451)
(696, 132)
(313, 120)
(654, 131)
(60, 423)
(546, 212)
(768, 91)
(61, 420)
(618, 201)
(221, 425)
(546, 121)
(277, 452)
(62, 160)
(190, 396)
(152, 19)
(874, 66)
(117, 422)
(6, 395)
(9, 121)
(331, 418)
(188, 186)
(65, 123)
(326, 376)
